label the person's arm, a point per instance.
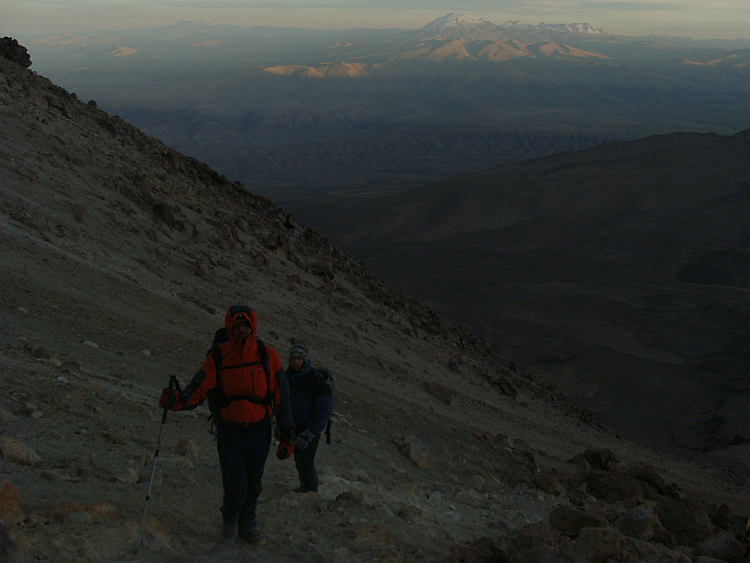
(204, 379)
(323, 411)
(195, 391)
(280, 390)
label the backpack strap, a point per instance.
(222, 399)
(324, 385)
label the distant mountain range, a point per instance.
(288, 111)
(460, 23)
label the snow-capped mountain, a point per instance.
(455, 20)
(516, 24)
(572, 28)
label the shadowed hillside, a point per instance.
(622, 271)
(119, 256)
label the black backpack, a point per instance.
(330, 381)
(216, 397)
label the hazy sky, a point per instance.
(696, 18)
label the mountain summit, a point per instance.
(462, 22)
(453, 20)
(573, 28)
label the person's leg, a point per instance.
(258, 445)
(304, 460)
(232, 459)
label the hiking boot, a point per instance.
(228, 533)
(253, 536)
(305, 490)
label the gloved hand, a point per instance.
(285, 450)
(170, 399)
(287, 434)
(303, 440)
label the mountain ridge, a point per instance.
(646, 228)
(396, 108)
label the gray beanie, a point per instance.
(298, 350)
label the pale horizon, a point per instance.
(699, 19)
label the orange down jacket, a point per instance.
(243, 375)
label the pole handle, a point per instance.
(171, 387)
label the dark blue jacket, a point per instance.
(311, 399)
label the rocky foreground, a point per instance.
(118, 258)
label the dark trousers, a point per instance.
(242, 456)
(304, 460)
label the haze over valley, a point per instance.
(293, 112)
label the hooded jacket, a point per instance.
(311, 399)
(243, 375)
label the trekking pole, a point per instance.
(172, 384)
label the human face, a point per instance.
(242, 330)
(296, 363)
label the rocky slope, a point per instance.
(119, 256)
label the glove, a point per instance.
(287, 434)
(170, 400)
(285, 450)
(303, 440)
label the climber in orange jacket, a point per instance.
(245, 385)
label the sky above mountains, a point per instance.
(701, 19)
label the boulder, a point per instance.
(186, 447)
(17, 452)
(571, 520)
(61, 511)
(639, 523)
(77, 518)
(599, 460)
(549, 483)
(409, 512)
(154, 537)
(416, 450)
(686, 520)
(598, 545)
(102, 510)
(10, 503)
(721, 546)
(611, 486)
(648, 475)
(355, 496)
(724, 517)
(127, 475)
